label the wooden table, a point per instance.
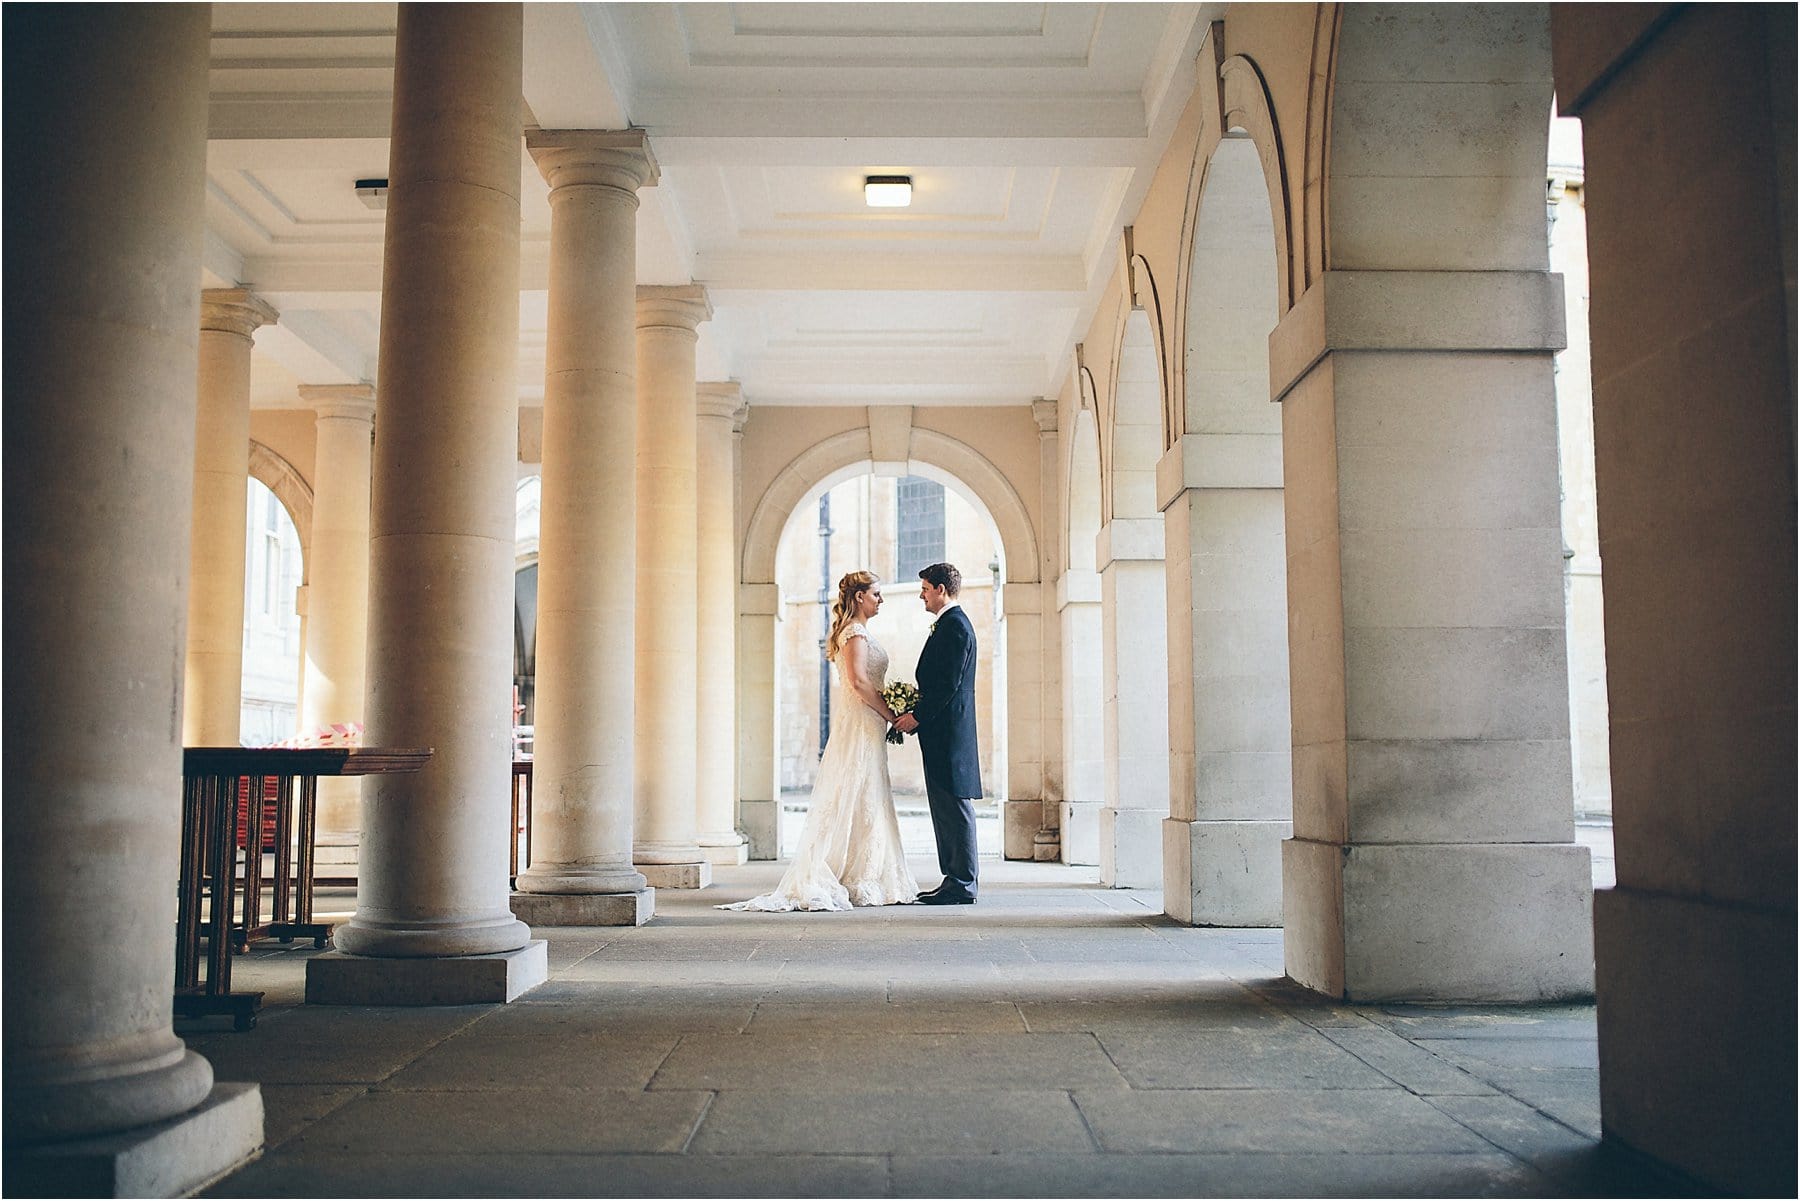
(281, 808)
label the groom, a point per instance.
(945, 720)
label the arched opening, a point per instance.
(1231, 801)
(1133, 618)
(269, 710)
(892, 526)
(527, 502)
(1078, 603)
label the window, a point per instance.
(920, 527)
(271, 555)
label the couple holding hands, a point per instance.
(849, 853)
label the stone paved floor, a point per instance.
(1058, 1039)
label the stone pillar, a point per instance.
(1083, 716)
(229, 319)
(1230, 748)
(102, 323)
(582, 778)
(759, 741)
(1136, 700)
(1695, 467)
(722, 415)
(669, 714)
(433, 924)
(1022, 812)
(1432, 855)
(1037, 687)
(337, 609)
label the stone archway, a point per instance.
(843, 456)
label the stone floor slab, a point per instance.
(507, 1120)
(574, 1060)
(325, 1045)
(1286, 1175)
(1345, 1121)
(290, 1108)
(920, 1063)
(806, 1019)
(1507, 1054)
(1407, 1064)
(1254, 1057)
(853, 1122)
(520, 1174)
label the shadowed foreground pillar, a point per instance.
(722, 414)
(433, 923)
(582, 805)
(669, 721)
(229, 319)
(337, 599)
(1695, 470)
(102, 321)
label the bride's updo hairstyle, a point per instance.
(843, 608)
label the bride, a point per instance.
(849, 851)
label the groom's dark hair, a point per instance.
(943, 575)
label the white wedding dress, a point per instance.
(849, 852)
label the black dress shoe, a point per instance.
(941, 897)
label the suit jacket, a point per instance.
(946, 708)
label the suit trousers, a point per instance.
(953, 821)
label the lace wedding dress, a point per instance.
(849, 852)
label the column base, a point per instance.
(1697, 1047)
(1131, 847)
(1019, 823)
(1081, 832)
(1223, 873)
(725, 850)
(677, 875)
(1046, 846)
(335, 978)
(172, 1158)
(762, 827)
(1439, 921)
(585, 909)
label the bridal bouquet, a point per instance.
(900, 697)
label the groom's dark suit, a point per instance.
(946, 716)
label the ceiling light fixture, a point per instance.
(372, 192)
(887, 191)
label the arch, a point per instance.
(933, 455)
(1137, 435)
(1083, 475)
(291, 489)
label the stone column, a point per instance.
(1694, 397)
(229, 319)
(759, 741)
(1084, 715)
(337, 608)
(433, 924)
(1433, 854)
(669, 713)
(102, 321)
(582, 780)
(1134, 653)
(722, 415)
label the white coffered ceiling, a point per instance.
(1030, 131)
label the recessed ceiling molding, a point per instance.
(307, 115)
(219, 196)
(716, 153)
(947, 273)
(836, 115)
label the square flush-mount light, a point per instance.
(887, 191)
(372, 192)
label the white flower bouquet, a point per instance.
(901, 697)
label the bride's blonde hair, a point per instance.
(843, 608)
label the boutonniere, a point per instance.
(933, 628)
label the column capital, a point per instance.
(679, 306)
(607, 158)
(724, 399)
(340, 400)
(234, 311)
(1044, 413)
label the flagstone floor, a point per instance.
(1057, 1039)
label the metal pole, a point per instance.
(825, 532)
